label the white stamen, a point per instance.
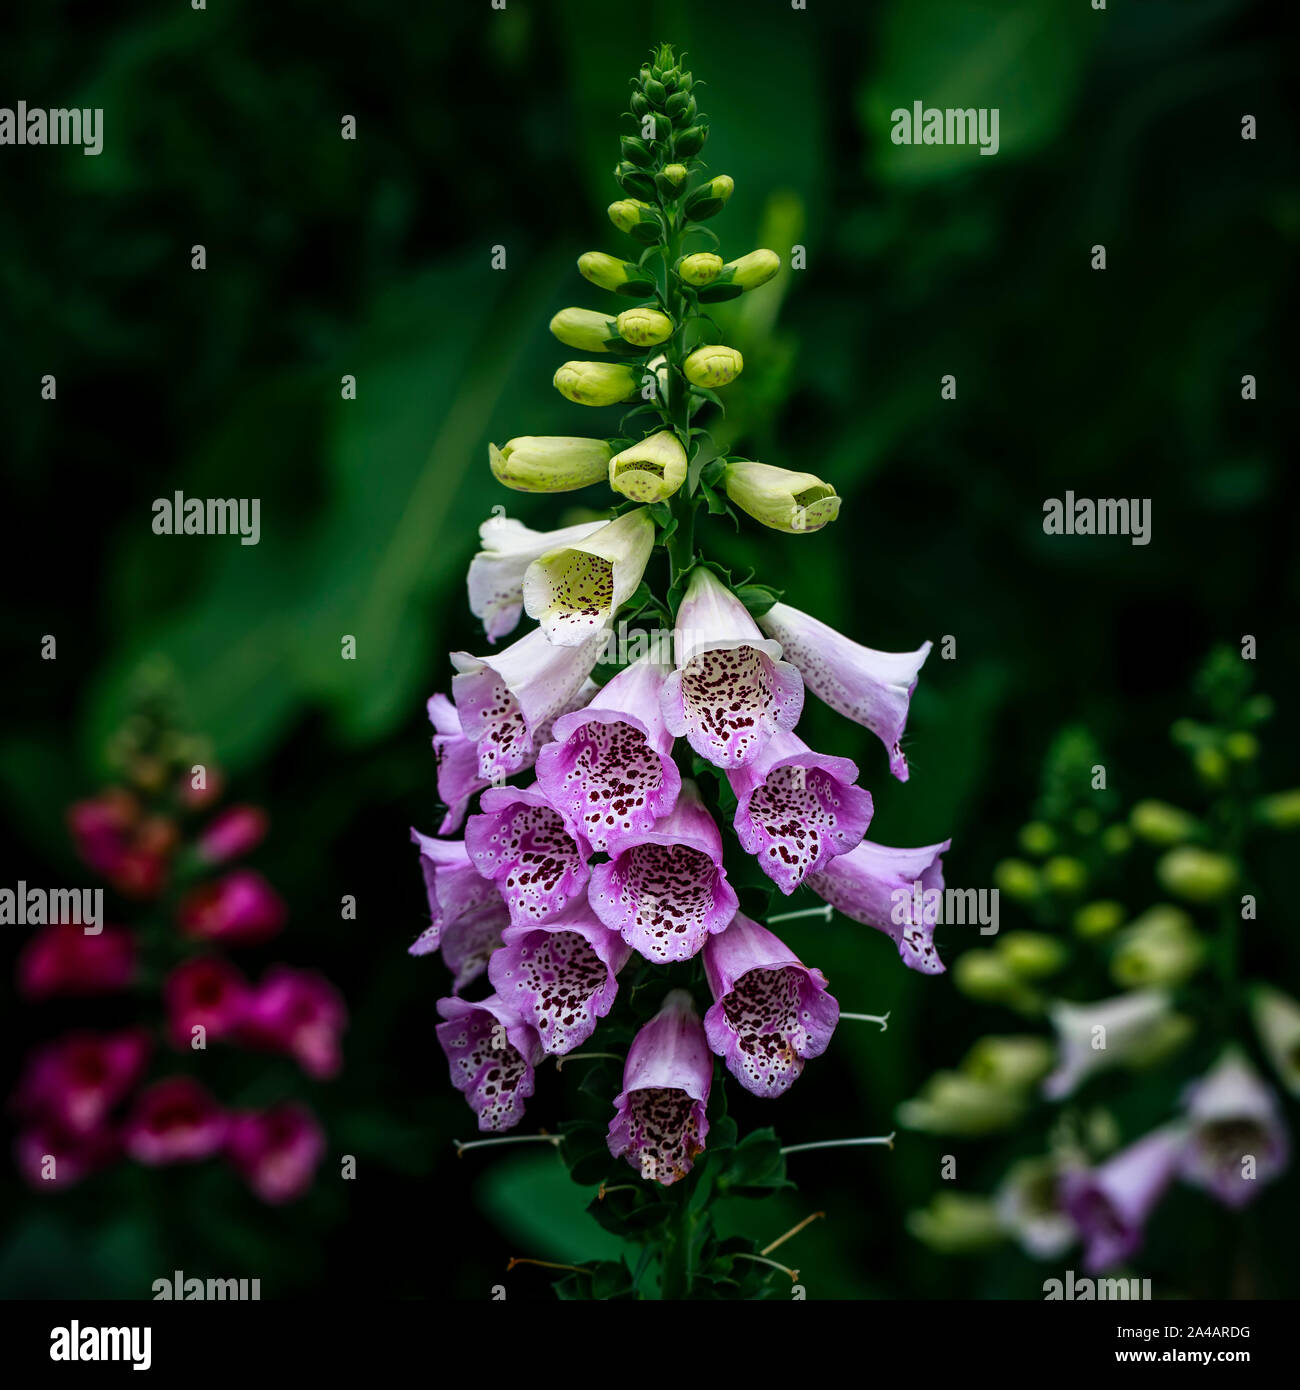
(824, 912)
(882, 1019)
(553, 1139)
(886, 1139)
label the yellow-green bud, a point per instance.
(651, 470)
(596, 383)
(1196, 874)
(611, 273)
(644, 326)
(952, 1102)
(549, 463)
(1032, 955)
(1065, 875)
(955, 1223)
(1161, 947)
(1117, 839)
(1281, 810)
(1241, 746)
(713, 366)
(1159, 823)
(585, 329)
(700, 268)
(779, 498)
(1277, 1021)
(755, 269)
(708, 199)
(1211, 766)
(1161, 1041)
(674, 175)
(1015, 1062)
(986, 976)
(1037, 838)
(1015, 878)
(1099, 918)
(626, 214)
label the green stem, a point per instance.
(675, 1273)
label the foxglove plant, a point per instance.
(628, 804)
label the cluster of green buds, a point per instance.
(660, 355)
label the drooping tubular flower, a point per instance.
(454, 886)
(492, 1053)
(665, 889)
(549, 463)
(796, 809)
(524, 846)
(651, 470)
(792, 502)
(1106, 1033)
(575, 588)
(560, 976)
(872, 688)
(770, 1013)
(505, 700)
(659, 1123)
(610, 768)
(496, 573)
(877, 886)
(731, 690)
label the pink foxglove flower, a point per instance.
(731, 691)
(492, 1053)
(455, 888)
(560, 976)
(174, 1121)
(872, 688)
(469, 941)
(771, 1012)
(796, 809)
(457, 758)
(496, 573)
(277, 1150)
(241, 909)
(611, 768)
(235, 831)
(877, 886)
(51, 1156)
(527, 848)
(506, 701)
(300, 1013)
(1105, 1033)
(79, 1079)
(665, 889)
(1238, 1142)
(204, 992)
(63, 959)
(659, 1122)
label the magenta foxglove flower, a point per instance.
(63, 959)
(492, 1053)
(505, 700)
(469, 941)
(611, 768)
(659, 1123)
(240, 909)
(1238, 1142)
(731, 691)
(277, 1150)
(876, 885)
(496, 573)
(872, 688)
(75, 1155)
(560, 976)
(771, 1012)
(457, 760)
(77, 1080)
(521, 843)
(300, 1013)
(174, 1121)
(796, 809)
(231, 833)
(1110, 1205)
(665, 889)
(204, 992)
(454, 886)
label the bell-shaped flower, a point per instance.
(597, 383)
(659, 1122)
(204, 992)
(574, 589)
(457, 764)
(77, 1080)
(240, 909)
(1110, 1205)
(1277, 1021)
(300, 1013)
(1029, 1208)
(954, 1102)
(785, 501)
(796, 809)
(492, 1053)
(872, 688)
(1107, 1033)
(61, 959)
(731, 690)
(468, 943)
(585, 329)
(506, 699)
(1237, 1141)
(610, 768)
(896, 891)
(277, 1150)
(174, 1121)
(549, 462)
(523, 845)
(454, 886)
(560, 976)
(770, 1012)
(665, 889)
(496, 573)
(651, 470)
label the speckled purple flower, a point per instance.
(872, 688)
(796, 809)
(468, 943)
(1238, 1142)
(520, 842)
(731, 691)
(611, 765)
(457, 761)
(560, 976)
(455, 888)
(665, 889)
(771, 1012)
(659, 1123)
(863, 885)
(492, 1053)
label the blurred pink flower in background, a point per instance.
(64, 959)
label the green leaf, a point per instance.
(758, 598)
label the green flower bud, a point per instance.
(952, 1102)
(635, 151)
(700, 268)
(610, 273)
(708, 198)
(1065, 875)
(671, 178)
(713, 366)
(1010, 1063)
(755, 269)
(1277, 1021)
(681, 108)
(1196, 874)
(655, 92)
(986, 976)
(1117, 839)
(1281, 810)
(690, 141)
(1018, 880)
(644, 326)
(1241, 746)
(1166, 1037)
(639, 104)
(785, 501)
(549, 463)
(1161, 947)
(1086, 821)
(1161, 824)
(1032, 955)
(636, 218)
(956, 1223)
(1099, 918)
(1258, 709)
(596, 383)
(1037, 838)
(649, 471)
(584, 329)
(635, 181)
(1211, 766)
